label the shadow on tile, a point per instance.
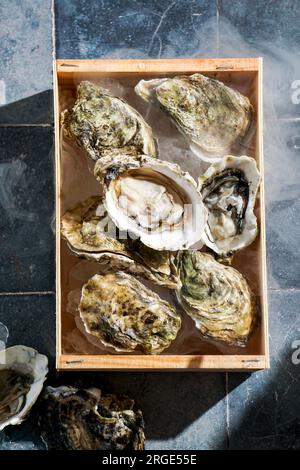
(181, 410)
(27, 209)
(36, 109)
(264, 408)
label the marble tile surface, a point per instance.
(25, 61)
(264, 408)
(135, 28)
(27, 209)
(30, 320)
(282, 176)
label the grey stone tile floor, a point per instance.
(182, 411)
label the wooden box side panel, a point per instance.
(64, 73)
(57, 214)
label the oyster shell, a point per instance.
(229, 188)
(152, 199)
(22, 374)
(84, 419)
(126, 315)
(214, 117)
(101, 124)
(217, 297)
(90, 234)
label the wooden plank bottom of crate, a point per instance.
(156, 363)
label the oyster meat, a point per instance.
(152, 200)
(91, 235)
(214, 117)
(229, 188)
(84, 419)
(22, 374)
(126, 315)
(217, 297)
(102, 124)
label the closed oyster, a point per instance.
(22, 374)
(90, 234)
(217, 297)
(152, 199)
(126, 315)
(214, 117)
(229, 188)
(101, 124)
(84, 419)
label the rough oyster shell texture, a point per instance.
(85, 419)
(126, 315)
(153, 200)
(217, 297)
(22, 374)
(91, 235)
(214, 117)
(102, 124)
(229, 188)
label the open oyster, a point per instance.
(22, 374)
(101, 124)
(90, 234)
(126, 315)
(84, 419)
(214, 117)
(229, 188)
(152, 199)
(217, 297)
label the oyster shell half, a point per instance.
(229, 188)
(84, 419)
(22, 374)
(152, 199)
(91, 235)
(101, 124)
(214, 117)
(126, 315)
(217, 297)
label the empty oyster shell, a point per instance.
(22, 374)
(91, 235)
(152, 199)
(229, 188)
(217, 297)
(126, 315)
(84, 419)
(214, 117)
(101, 124)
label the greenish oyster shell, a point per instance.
(217, 297)
(22, 374)
(214, 117)
(84, 419)
(152, 199)
(90, 234)
(126, 315)
(229, 189)
(102, 124)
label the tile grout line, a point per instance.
(284, 289)
(218, 22)
(53, 30)
(227, 410)
(27, 125)
(24, 294)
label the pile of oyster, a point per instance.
(152, 221)
(69, 418)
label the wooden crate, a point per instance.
(242, 73)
